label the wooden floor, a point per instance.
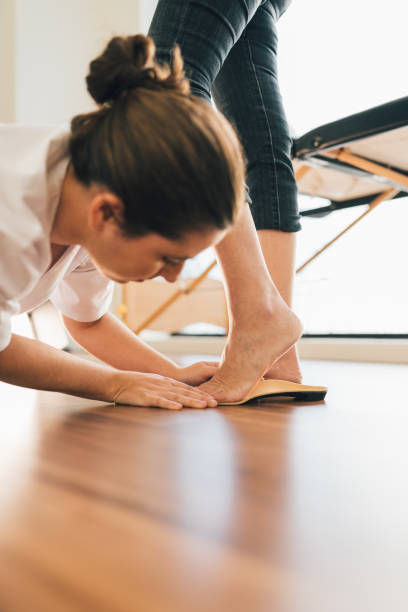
(269, 507)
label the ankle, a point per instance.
(261, 312)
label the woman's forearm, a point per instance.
(112, 342)
(31, 363)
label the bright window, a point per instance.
(338, 58)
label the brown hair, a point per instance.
(173, 160)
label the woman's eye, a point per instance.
(169, 262)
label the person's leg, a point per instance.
(257, 111)
(262, 326)
(205, 30)
(279, 250)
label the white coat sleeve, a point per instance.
(84, 294)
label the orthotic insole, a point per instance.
(278, 388)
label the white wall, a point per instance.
(7, 30)
(55, 42)
(339, 58)
(146, 10)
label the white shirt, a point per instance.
(33, 162)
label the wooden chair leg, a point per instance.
(394, 178)
(300, 172)
(386, 195)
(182, 290)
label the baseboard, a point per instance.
(178, 345)
(375, 350)
(340, 349)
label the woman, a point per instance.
(135, 188)
(230, 54)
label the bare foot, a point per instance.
(286, 368)
(253, 347)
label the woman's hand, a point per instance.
(197, 373)
(140, 389)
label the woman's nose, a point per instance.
(171, 273)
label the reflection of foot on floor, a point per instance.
(279, 388)
(254, 344)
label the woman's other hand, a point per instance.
(197, 373)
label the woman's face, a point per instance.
(125, 259)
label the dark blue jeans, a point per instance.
(230, 54)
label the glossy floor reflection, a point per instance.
(270, 506)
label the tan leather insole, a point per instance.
(278, 388)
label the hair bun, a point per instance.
(129, 62)
(125, 62)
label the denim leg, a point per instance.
(205, 30)
(246, 90)
(208, 32)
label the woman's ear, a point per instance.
(105, 209)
